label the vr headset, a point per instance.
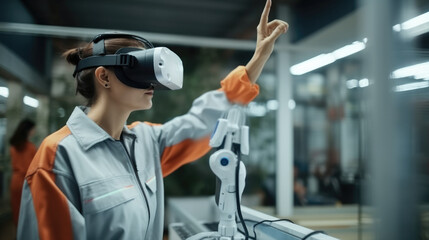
(157, 68)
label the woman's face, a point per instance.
(127, 97)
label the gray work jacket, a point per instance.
(83, 184)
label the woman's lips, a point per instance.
(149, 92)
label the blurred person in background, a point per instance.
(97, 178)
(22, 152)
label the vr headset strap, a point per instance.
(99, 57)
(106, 60)
(98, 48)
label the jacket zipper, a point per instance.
(134, 166)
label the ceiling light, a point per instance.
(423, 76)
(421, 21)
(4, 92)
(421, 69)
(312, 64)
(32, 102)
(352, 83)
(414, 26)
(412, 86)
(327, 58)
(397, 28)
(416, 21)
(364, 82)
(272, 105)
(349, 50)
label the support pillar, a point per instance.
(284, 162)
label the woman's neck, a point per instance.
(109, 117)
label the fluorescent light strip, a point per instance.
(416, 71)
(423, 76)
(416, 21)
(364, 82)
(272, 105)
(348, 50)
(32, 102)
(312, 64)
(322, 60)
(414, 26)
(4, 92)
(397, 28)
(352, 83)
(411, 86)
(327, 58)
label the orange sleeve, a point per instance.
(238, 88)
(185, 152)
(51, 206)
(50, 203)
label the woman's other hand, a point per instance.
(267, 34)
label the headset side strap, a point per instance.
(107, 60)
(98, 48)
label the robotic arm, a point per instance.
(231, 136)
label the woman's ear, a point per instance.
(102, 77)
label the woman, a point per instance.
(96, 179)
(22, 152)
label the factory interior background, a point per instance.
(339, 133)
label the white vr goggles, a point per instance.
(157, 68)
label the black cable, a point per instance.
(311, 234)
(269, 221)
(250, 237)
(277, 220)
(237, 190)
(264, 221)
(246, 220)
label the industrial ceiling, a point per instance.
(205, 19)
(235, 19)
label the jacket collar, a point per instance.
(87, 132)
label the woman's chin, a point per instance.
(147, 106)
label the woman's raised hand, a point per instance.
(267, 34)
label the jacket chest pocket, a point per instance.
(107, 194)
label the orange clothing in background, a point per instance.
(20, 162)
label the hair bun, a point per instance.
(72, 56)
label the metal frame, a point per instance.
(160, 38)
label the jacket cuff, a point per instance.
(238, 88)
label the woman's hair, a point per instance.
(20, 136)
(85, 78)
